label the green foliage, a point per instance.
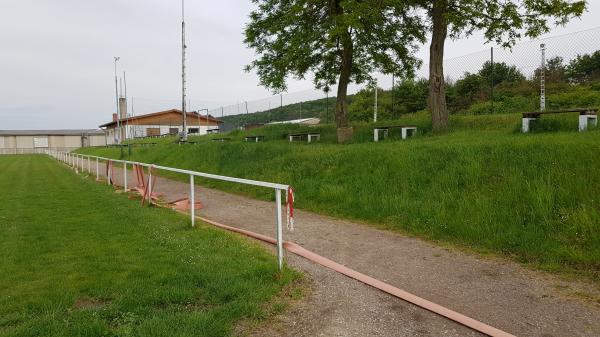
(80, 260)
(336, 41)
(410, 96)
(322, 108)
(584, 68)
(296, 37)
(500, 73)
(555, 71)
(482, 184)
(505, 22)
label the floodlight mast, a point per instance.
(183, 46)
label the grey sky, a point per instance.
(56, 61)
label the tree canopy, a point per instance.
(502, 21)
(332, 41)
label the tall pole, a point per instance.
(116, 138)
(327, 104)
(126, 112)
(375, 107)
(543, 79)
(183, 46)
(393, 80)
(492, 78)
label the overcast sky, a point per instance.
(57, 70)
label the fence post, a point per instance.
(97, 170)
(124, 177)
(107, 173)
(192, 200)
(279, 229)
(89, 165)
(149, 187)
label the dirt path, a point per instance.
(495, 291)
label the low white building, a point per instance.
(36, 141)
(157, 124)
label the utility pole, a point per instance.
(126, 110)
(183, 46)
(393, 111)
(116, 138)
(492, 79)
(543, 79)
(327, 104)
(375, 107)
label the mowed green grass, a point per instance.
(483, 185)
(78, 259)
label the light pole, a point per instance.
(375, 105)
(183, 46)
(117, 100)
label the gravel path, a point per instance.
(495, 291)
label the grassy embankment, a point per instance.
(482, 185)
(80, 260)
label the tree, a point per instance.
(584, 68)
(465, 90)
(499, 73)
(502, 21)
(554, 70)
(339, 41)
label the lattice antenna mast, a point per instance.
(543, 79)
(183, 47)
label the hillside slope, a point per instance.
(482, 185)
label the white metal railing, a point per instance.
(82, 161)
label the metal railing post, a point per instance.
(97, 170)
(107, 174)
(279, 229)
(192, 200)
(149, 184)
(89, 165)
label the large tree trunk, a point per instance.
(341, 106)
(344, 133)
(437, 90)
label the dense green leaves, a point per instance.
(502, 21)
(301, 37)
(333, 41)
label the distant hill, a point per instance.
(307, 109)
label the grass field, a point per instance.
(482, 185)
(80, 260)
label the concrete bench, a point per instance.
(586, 117)
(254, 139)
(406, 131)
(310, 136)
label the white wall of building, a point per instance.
(38, 143)
(139, 131)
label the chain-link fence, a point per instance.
(495, 80)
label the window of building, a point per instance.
(193, 130)
(152, 132)
(173, 131)
(40, 142)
